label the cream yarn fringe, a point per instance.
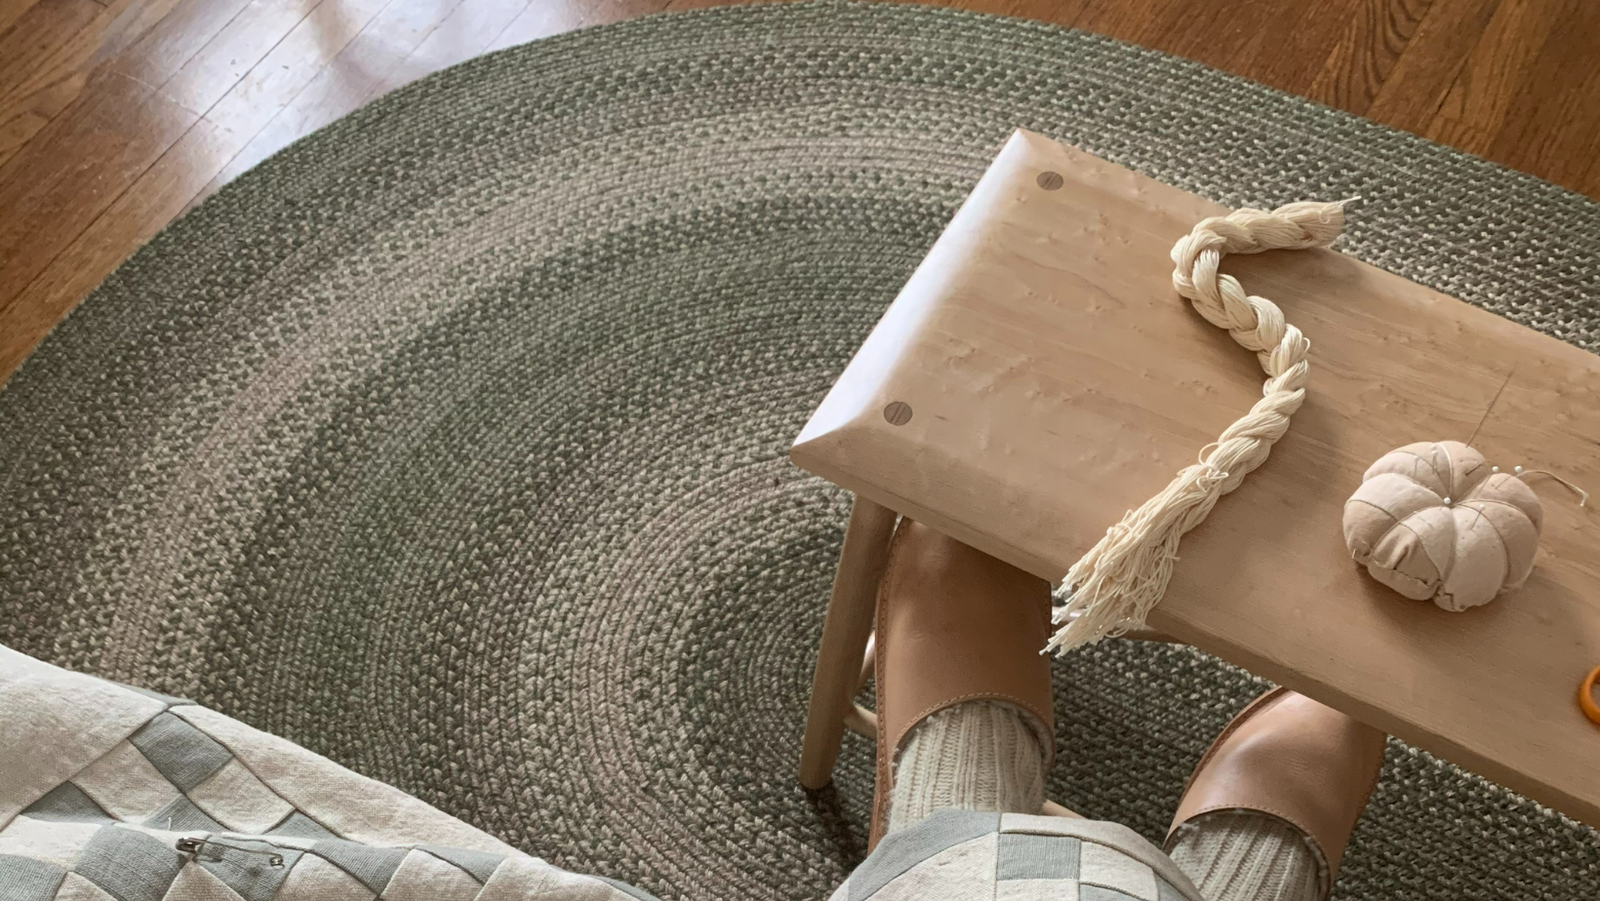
(1114, 586)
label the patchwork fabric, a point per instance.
(169, 801)
(197, 884)
(179, 751)
(1012, 857)
(67, 802)
(1026, 856)
(312, 876)
(479, 863)
(27, 879)
(1111, 868)
(77, 888)
(54, 841)
(130, 865)
(124, 784)
(373, 866)
(234, 794)
(298, 825)
(181, 815)
(254, 870)
(423, 877)
(901, 851)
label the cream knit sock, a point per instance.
(980, 755)
(1242, 855)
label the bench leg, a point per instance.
(835, 682)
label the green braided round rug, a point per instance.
(450, 442)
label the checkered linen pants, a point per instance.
(963, 855)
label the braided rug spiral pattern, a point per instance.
(451, 441)
(1113, 587)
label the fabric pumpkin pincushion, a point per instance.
(1435, 520)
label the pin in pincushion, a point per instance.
(1435, 520)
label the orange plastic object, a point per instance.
(1591, 708)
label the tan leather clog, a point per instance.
(1295, 759)
(953, 624)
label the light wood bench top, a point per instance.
(1054, 379)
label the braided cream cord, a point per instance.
(1114, 586)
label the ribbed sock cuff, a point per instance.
(980, 755)
(1245, 855)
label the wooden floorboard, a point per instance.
(1429, 64)
(28, 49)
(168, 45)
(1548, 126)
(235, 51)
(12, 10)
(117, 115)
(296, 62)
(73, 169)
(1495, 74)
(1365, 51)
(44, 65)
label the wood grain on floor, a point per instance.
(118, 115)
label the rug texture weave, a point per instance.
(450, 442)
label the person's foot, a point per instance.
(1286, 766)
(959, 635)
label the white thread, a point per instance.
(1583, 496)
(1114, 586)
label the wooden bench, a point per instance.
(1038, 376)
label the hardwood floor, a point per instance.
(117, 115)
